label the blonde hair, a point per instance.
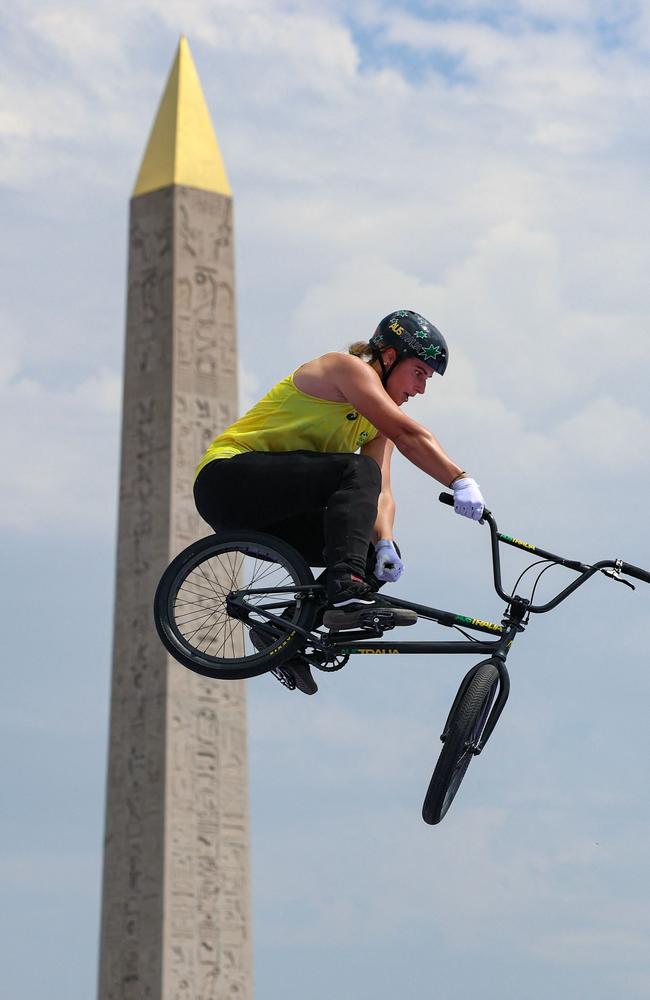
(362, 349)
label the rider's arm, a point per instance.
(360, 386)
(381, 449)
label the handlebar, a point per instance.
(585, 570)
(634, 571)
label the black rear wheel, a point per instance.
(463, 731)
(204, 627)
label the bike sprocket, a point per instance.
(334, 661)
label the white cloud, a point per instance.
(250, 387)
(59, 453)
(481, 45)
(81, 37)
(557, 10)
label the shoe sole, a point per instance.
(290, 678)
(388, 618)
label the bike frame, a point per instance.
(516, 617)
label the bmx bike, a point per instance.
(237, 604)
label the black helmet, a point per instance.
(411, 335)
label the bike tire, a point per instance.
(190, 603)
(464, 728)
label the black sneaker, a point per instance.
(295, 673)
(352, 602)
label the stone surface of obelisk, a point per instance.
(175, 909)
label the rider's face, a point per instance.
(408, 379)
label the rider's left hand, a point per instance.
(388, 567)
(468, 499)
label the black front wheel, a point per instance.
(462, 734)
(201, 620)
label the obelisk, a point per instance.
(176, 911)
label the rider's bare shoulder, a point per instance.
(321, 377)
(359, 384)
(346, 378)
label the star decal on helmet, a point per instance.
(431, 352)
(421, 334)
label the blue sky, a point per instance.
(485, 164)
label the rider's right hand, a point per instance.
(388, 566)
(468, 499)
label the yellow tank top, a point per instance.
(287, 419)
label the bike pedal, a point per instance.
(378, 620)
(284, 678)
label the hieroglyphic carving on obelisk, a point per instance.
(176, 911)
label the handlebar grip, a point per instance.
(634, 571)
(449, 500)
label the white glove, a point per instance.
(468, 499)
(388, 566)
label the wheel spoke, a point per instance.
(199, 589)
(201, 616)
(198, 611)
(215, 590)
(220, 625)
(203, 625)
(201, 601)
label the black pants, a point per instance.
(325, 505)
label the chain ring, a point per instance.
(335, 663)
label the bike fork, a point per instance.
(497, 707)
